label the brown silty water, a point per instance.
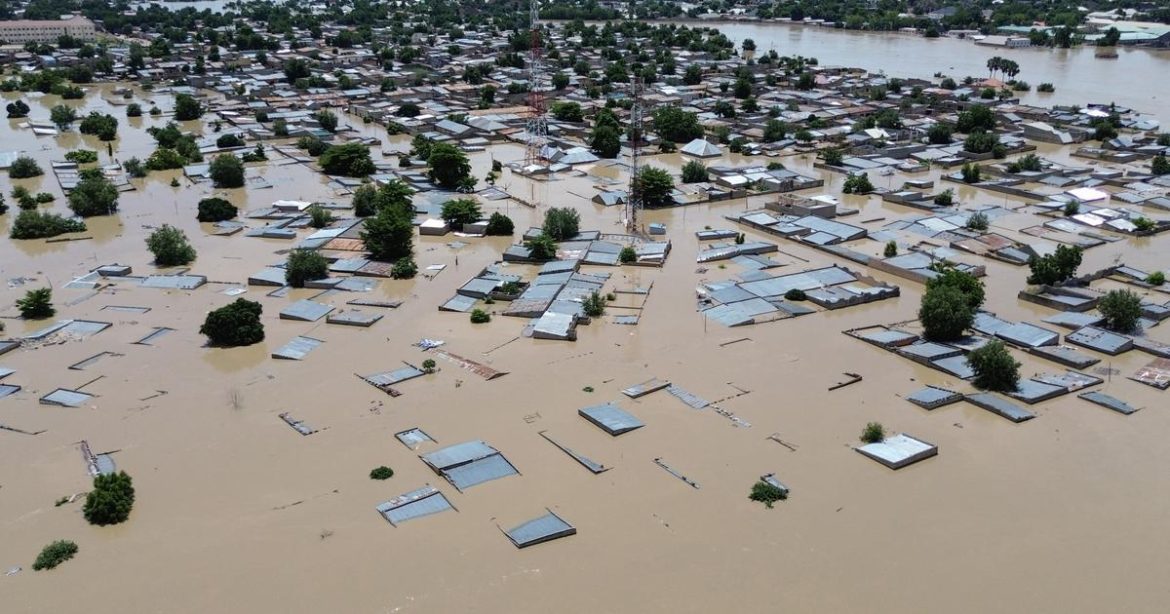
(236, 512)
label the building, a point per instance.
(47, 31)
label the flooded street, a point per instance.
(236, 512)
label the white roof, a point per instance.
(1087, 194)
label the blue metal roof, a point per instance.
(414, 504)
(538, 530)
(480, 471)
(611, 418)
(458, 454)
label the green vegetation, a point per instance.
(674, 124)
(82, 156)
(1045, 88)
(939, 134)
(541, 247)
(450, 167)
(312, 145)
(479, 316)
(1071, 208)
(62, 116)
(229, 140)
(1156, 278)
(381, 473)
(36, 304)
(24, 167)
(561, 223)
(655, 186)
(1030, 162)
(833, 157)
(170, 247)
(1122, 309)
(1160, 165)
(134, 110)
(389, 235)
(945, 313)
(319, 217)
(694, 172)
(187, 108)
(978, 221)
(594, 304)
(857, 184)
(980, 142)
(500, 225)
(111, 499)
(795, 294)
(946, 198)
(891, 249)
(1056, 267)
(54, 554)
(17, 109)
(461, 211)
(976, 118)
(165, 159)
(102, 125)
(994, 368)
(216, 210)
(365, 200)
(404, 268)
(873, 432)
(227, 171)
(767, 493)
(305, 265)
(567, 111)
(234, 324)
(94, 195)
(428, 365)
(628, 255)
(1144, 224)
(349, 160)
(327, 119)
(971, 287)
(971, 173)
(37, 225)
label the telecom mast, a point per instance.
(634, 199)
(537, 127)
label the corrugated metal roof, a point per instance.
(479, 471)
(413, 438)
(305, 310)
(611, 418)
(458, 454)
(539, 530)
(414, 504)
(297, 348)
(389, 378)
(66, 398)
(174, 282)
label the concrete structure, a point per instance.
(898, 451)
(47, 31)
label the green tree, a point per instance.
(479, 316)
(111, 499)
(939, 134)
(1122, 310)
(449, 165)
(561, 223)
(187, 108)
(327, 119)
(305, 265)
(228, 141)
(461, 211)
(381, 473)
(349, 160)
(945, 313)
(655, 186)
(774, 130)
(37, 225)
(560, 81)
(500, 225)
(319, 217)
(62, 116)
(994, 368)
(567, 111)
(1160, 166)
(93, 195)
(227, 171)
(234, 324)
(606, 141)
(389, 235)
(365, 200)
(36, 304)
(891, 249)
(102, 125)
(674, 124)
(857, 184)
(54, 554)
(1055, 267)
(981, 142)
(216, 210)
(978, 221)
(541, 247)
(977, 117)
(873, 432)
(17, 109)
(628, 255)
(766, 493)
(968, 284)
(134, 110)
(593, 305)
(971, 173)
(170, 247)
(404, 268)
(694, 172)
(693, 75)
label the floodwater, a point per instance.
(237, 512)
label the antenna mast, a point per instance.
(537, 127)
(634, 198)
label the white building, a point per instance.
(47, 31)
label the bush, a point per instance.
(234, 324)
(165, 159)
(37, 225)
(134, 110)
(44, 197)
(227, 171)
(1056, 267)
(365, 200)
(1122, 309)
(978, 221)
(994, 368)
(971, 173)
(694, 172)
(36, 304)
(795, 294)
(94, 195)
(541, 247)
(170, 247)
(981, 142)
(946, 198)
(187, 108)
(873, 432)
(24, 167)
(389, 235)
(449, 165)
(319, 217)
(479, 316)
(134, 168)
(313, 145)
(54, 554)
(1144, 224)
(767, 494)
(82, 156)
(381, 473)
(857, 184)
(111, 499)
(594, 304)
(1046, 88)
(945, 313)
(833, 157)
(304, 265)
(428, 365)
(349, 160)
(1156, 278)
(216, 210)
(104, 126)
(561, 223)
(628, 255)
(500, 225)
(461, 211)
(891, 249)
(404, 268)
(327, 119)
(229, 140)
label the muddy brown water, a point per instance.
(237, 512)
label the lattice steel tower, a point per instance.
(634, 198)
(537, 126)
